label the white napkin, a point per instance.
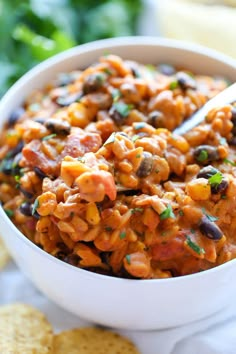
(214, 335)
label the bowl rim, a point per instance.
(88, 47)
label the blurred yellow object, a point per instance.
(210, 23)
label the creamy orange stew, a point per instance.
(91, 172)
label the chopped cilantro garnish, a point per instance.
(223, 141)
(35, 206)
(181, 213)
(128, 258)
(138, 156)
(122, 235)
(210, 217)
(123, 108)
(215, 179)
(17, 178)
(156, 170)
(110, 140)
(136, 210)
(135, 137)
(9, 212)
(199, 250)
(203, 156)
(81, 159)
(150, 67)
(192, 231)
(116, 94)
(167, 213)
(173, 85)
(108, 228)
(48, 137)
(224, 196)
(232, 163)
(139, 125)
(107, 71)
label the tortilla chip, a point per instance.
(92, 340)
(24, 329)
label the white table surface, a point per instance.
(214, 335)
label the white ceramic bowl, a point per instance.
(123, 303)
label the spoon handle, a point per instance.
(226, 96)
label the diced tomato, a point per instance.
(79, 143)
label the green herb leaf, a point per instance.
(135, 137)
(181, 213)
(223, 141)
(116, 95)
(81, 159)
(230, 162)
(139, 125)
(108, 228)
(203, 156)
(35, 206)
(215, 179)
(107, 71)
(48, 137)
(9, 212)
(123, 108)
(211, 218)
(173, 85)
(151, 67)
(136, 210)
(128, 258)
(167, 213)
(199, 250)
(122, 235)
(110, 140)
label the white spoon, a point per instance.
(224, 97)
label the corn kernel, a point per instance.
(92, 214)
(199, 189)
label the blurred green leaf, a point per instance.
(33, 30)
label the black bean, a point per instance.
(221, 187)
(39, 173)
(207, 172)
(36, 215)
(233, 141)
(185, 81)
(40, 120)
(205, 154)
(210, 229)
(65, 101)
(93, 82)
(16, 150)
(26, 209)
(72, 259)
(15, 116)
(6, 166)
(57, 126)
(65, 79)
(105, 257)
(233, 111)
(166, 69)
(61, 255)
(15, 165)
(156, 119)
(63, 247)
(27, 194)
(145, 167)
(116, 116)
